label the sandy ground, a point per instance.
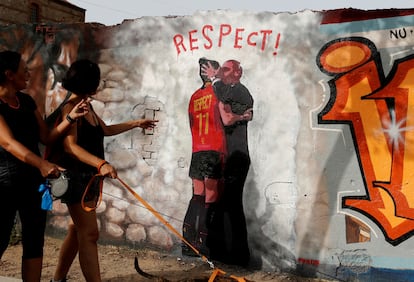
(117, 264)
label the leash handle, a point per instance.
(166, 223)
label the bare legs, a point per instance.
(199, 214)
(209, 187)
(82, 236)
(68, 252)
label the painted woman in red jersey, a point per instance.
(208, 154)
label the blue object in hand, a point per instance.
(47, 201)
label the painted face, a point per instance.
(21, 77)
(228, 73)
(69, 52)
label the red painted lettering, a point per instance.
(249, 39)
(225, 29)
(238, 37)
(179, 41)
(204, 32)
(308, 261)
(225, 34)
(265, 33)
(192, 40)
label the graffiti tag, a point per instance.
(380, 113)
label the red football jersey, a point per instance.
(206, 126)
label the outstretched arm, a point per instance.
(115, 129)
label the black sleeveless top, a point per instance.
(90, 138)
(25, 129)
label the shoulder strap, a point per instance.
(51, 119)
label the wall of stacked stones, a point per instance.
(329, 190)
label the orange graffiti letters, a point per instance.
(380, 112)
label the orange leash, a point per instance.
(166, 223)
(217, 272)
(85, 193)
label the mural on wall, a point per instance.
(377, 109)
(49, 50)
(218, 113)
(150, 74)
(325, 171)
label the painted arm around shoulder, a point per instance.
(21, 152)
(229, 118)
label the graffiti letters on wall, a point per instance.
(379, 111)
(238, 36)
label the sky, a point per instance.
(114, 12)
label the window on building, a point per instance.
(34, 13)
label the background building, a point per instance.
(39, 11)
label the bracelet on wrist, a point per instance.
(101, 164)
(69, 119)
